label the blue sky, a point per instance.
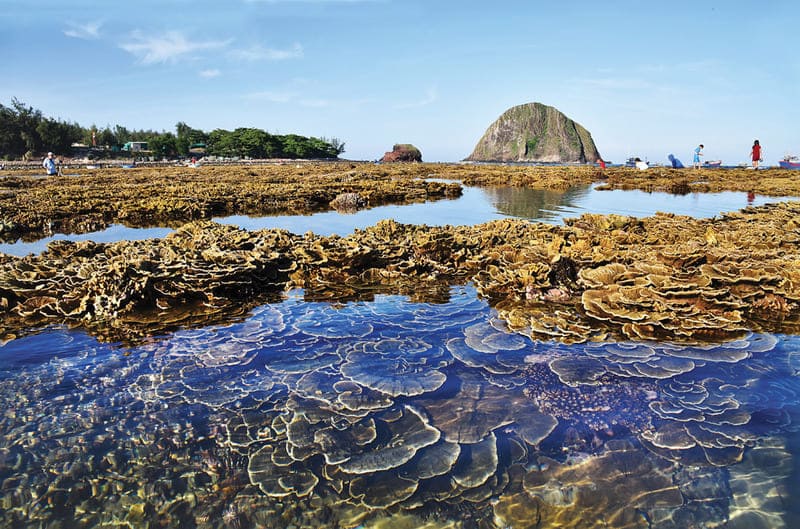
(645, 78)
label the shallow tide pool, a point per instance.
(393, 413)
(475, 206)
(401, 412)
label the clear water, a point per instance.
(367, 413)
(475, 206)
(402, 412)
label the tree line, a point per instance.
(26, 133)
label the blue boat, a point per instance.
(790, 162)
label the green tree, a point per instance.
(106, 137)
(57, 135)
(186, 136)
(163, 145)
(252, 142)
(222, 143)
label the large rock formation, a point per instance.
(534, 132)
(403, 152)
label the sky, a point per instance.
(646, 78)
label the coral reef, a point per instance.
(665, 277)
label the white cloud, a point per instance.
(259, 53)
(168, 47)
(208, 74)
(87, 31)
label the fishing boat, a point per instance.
(790, 162)
(712, 163)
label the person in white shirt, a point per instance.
(49, 164)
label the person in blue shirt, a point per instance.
(49, 164)
(698, 152)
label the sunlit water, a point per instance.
(393, 412)
(475, 206)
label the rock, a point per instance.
(534, 132)
(403, 152)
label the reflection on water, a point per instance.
(390, 413)
(475, 206)
(537, 204)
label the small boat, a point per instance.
(790, 162)
(712, 163)
(637, 163)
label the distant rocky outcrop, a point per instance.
(403, 152)
(534, 132)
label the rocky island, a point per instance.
(534, 132)
(403, 152)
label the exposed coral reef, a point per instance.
(665, 277)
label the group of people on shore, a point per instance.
(755, 155)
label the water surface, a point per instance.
(475, 206)
(395, 411)
(313, 414)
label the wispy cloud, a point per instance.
(87, 31)
(208, 74)
(167, 47)
(430, 97)
(260, 53)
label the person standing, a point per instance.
(698, 152)
(755, 154)
(49, 164)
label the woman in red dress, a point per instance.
(755, 154)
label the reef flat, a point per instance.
(664, 277)
(569, 379)
(89, 200)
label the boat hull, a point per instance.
(785, 164)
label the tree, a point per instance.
(186, 136)
(252, 142)
(24, 131)
(222, 143)
(106, 137)
(57, 135)
(336, 145)
(162, 145)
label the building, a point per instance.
(135, 146)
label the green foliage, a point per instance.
(256, 143)
(186, 136)
(23, 130)
(163, 145)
